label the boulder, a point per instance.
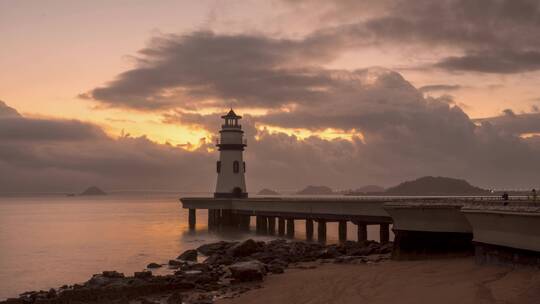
(142, 274)
(246, 248)
(112, 274)
(213, 248)
(175, 298)
(175, 263)
(247, 271)
(153, 265)
(219, 259)
(188, 255)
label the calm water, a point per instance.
(50, 241)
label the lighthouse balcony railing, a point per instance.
(231, 126)
(219, 141)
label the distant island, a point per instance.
(365, 190)
(429, 185)
(267, 191)
(93, 191)
(316, 190)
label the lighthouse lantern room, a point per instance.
(231, 166)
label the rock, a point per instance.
(153, 265)
(203, 299)
(188, 255)
(213, 248)
(247, 271)
(276, 268)
(146, 301)
(347, 259)
(330, 252)
(243, 249)
(386, 248)
(112, 274)
(219, 259)
(175, 298)
(51, 294)
(175, 263)
(143, 275)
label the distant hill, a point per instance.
(429, 185)
(316, 190)
(365, 190)
(267, 191)
(370, 189)
(93, 191)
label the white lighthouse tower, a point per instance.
(231, 166)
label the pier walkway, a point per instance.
(280, 212)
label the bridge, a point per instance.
(423, 226)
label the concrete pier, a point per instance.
(290, 227)
(309, 229)
(281, 226)
(192, 218)
(505, 234)
(321, 230)
(342, 231)
(427, 229)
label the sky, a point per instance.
(128, 94)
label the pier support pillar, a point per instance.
(361, 232)
(271, 225)
(384, 233)
(342, 231)
(321, 231)
(246, 222)
(210, 219)
(226, 218)
(290, 227)
(309, 229)
(281, 226)
(261, 224)
(192, 219)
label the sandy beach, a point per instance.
(435, 281)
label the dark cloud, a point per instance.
(502, 62)
(65, 155)
(493, 36)
(202, 69)
(439, 87)
(22, 129)
(205, 69)
(515, 124)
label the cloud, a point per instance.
(491, 36)
(206, 69)
(501, 62)
(439, 87)
(7, 112)
(52, 155)
(515, 124)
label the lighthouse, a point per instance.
(231, 166)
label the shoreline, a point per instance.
(229, 269)
(281, 271)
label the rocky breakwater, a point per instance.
(229, 269)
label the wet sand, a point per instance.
(415, 282)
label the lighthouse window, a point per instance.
(244, 167)
(218, 166)
(236, 167)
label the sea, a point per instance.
(47, 241)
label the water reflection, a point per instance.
(49, 241)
